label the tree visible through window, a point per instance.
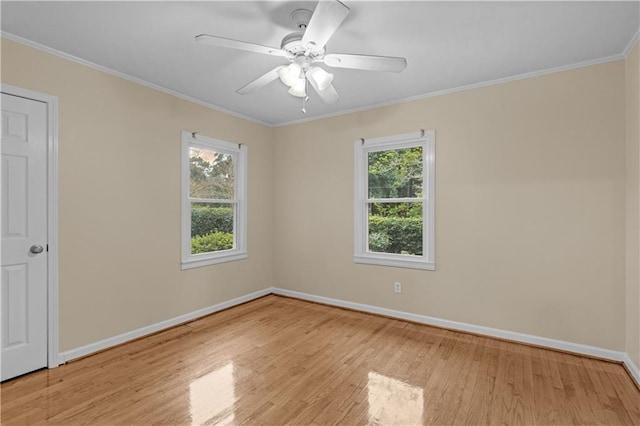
(396, 226)
(394, 206)
(211, 195)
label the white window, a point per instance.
(214, 201)
(394, 200)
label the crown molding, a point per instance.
(539, 73)
(128, 77)
(463, 88)
(631, 44)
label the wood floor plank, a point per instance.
(277, 360)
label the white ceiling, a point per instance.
(447, 44)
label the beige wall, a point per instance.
(632, 64)
(530, 204)
(530, 222)
(119, 202)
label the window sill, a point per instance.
(398, 263)
(220, 258)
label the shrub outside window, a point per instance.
(394, 201)
(213, 201)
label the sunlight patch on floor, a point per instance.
(213, 396)
(392, 401)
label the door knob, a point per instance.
(36, 249)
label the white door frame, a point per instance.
(52, 213)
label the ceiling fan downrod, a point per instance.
(301, 18)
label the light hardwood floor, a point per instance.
(277, 360)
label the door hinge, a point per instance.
(47, 247)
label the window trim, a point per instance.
(239, 151)
(426, 139)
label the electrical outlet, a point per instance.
(397, 287)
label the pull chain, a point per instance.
(306, 97)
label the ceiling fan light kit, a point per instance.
(289, 74)
(304, 49)
(294, 76)
(298, 88)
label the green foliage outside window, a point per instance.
(211, 242)
(395, 173)
(395, 227)
(206, 219)
(211, 228)
(401, 235)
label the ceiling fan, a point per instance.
(305, 49)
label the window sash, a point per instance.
(425, 241)
(235, 226)
(396, 200)
(218, 150)
(214, 200)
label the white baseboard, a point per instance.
(576, 348)
(632, 368)
(545, 342)
(140, 332)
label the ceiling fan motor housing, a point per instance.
(292, 43)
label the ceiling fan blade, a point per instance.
(328, 95)
(325, 20)
(365, 62)
(260, 82)
(240, 45)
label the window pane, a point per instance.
(211, 174)
(395, 228)
(211, 227)
(395, 173)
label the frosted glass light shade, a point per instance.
(298, 88)
(290, 74)
(322, 78)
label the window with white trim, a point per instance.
(214, 201)
(394, 200)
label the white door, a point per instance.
(24, 236)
